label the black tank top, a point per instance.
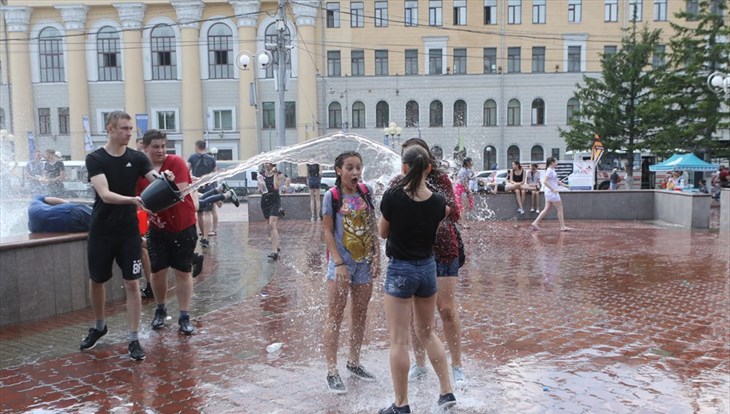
(517, 178)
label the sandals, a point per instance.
(213, 233)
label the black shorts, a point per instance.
(103, 251)
(314, 182)
(270, 205)
(173, 250)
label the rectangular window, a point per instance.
(220, 56)
(268, 115)
(358, 63)
(381, 63)
(44, 121)
(435, 62)
(658, 58)
(635, 7)
(490, 60)
(357, 14)
(459, 12)
(692, 8)
(660, 10)
(575, 11)
(411, 13)
(538, 59)
(610, 11)
(164, 60)
(574, 53)
(490, 12)
(459, 61)
(110, 68)
(222, 119)
(381, 14)
(411, 61)
(290, 115)
(333, 63)
(51, 58)
(609, 50)
(333, 14)
(538, 11)
(435, 13)
(166, 121)
(555, 152)
(63, 120)
(513, 59)
(514, 12)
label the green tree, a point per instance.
(618, 105)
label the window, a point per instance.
(290, 115)
(357, 14)
(358, 115)
(270, 37)
(460, 113)
(538, 59)
(513, 154)
(538, 11)
(44, 121)
(635, 7)
(555, 153)
(459, 12)
(538, 112)
(436, 114)
(610, 10)
(333, 63)
(693, 8)
(381, 62)
(108, 55)
(459, 61)
(574, 53)
(166, 121)
(609, 50)
(381, 14)
(103, 115)
(513, 112)
(358, 63)
(513, 60)
(658, 57)
(63, 121)
(412, 114)
(715, 8)
(572, 110)
(490, 113)
(382, 114)
(50, 55)
(268, 115)
(220, 52)
(335, 115)
(574, 11)
(164, 59)
(333, 14)
(459, 153)
(411, 13)
(537, 153)
(411, 61)
(435, 13)
(435, 62)
(660, 10)
(222, 119)
(514, 12)
(490, 60)
(490, 11)
(490, 158)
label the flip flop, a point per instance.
(212, 233)
(567, 229)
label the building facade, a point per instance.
(492, 79)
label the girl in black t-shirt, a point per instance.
(411, 216)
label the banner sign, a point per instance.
(88, 143)
(583, 175)
(142, 120)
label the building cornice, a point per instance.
(247, 12)
(188, 12)
(17, 18)
(305, 12)
(74, 16)
(131, 14)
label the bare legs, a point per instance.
(315, 203)
(446, 305)
(336, 300)
(520, 194)
(133, 298)
(535, 205)
(183, 288)
(548, 204)
(274, 233)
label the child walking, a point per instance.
(552, 196)
(354, 260)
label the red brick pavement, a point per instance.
(613, 317)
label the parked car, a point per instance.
(328, 179)
(483, 177)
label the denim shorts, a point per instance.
(448, 268)
(406, 278)
(360, 273)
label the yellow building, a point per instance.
(494, 77)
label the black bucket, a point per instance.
(160, 195)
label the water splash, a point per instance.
(13, 198)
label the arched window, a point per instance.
(382, 114)
(573, 109)
(537, 153)
(164, 57)
(50, 55)
(335, 115)
(513, 154)
(459, 113)
(437, 152)
(412, 114)
(358, 115)
(220, 52)
(490, 158)
(459, 154)
(109, 60)
(538, 112)
(490, 113)
(270, 39)
(436, 114)
(513, 112)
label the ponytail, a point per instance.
(418, 161)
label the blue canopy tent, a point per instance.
(684, 162)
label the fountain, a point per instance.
(13, 199)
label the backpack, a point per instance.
(203, 165)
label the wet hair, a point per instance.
(466, 161)
(549, 161)
(200, 144)
(340, 161)
(417, 159)
(435, 167)
(115, 116)
(151, 135)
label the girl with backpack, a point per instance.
(354, 260)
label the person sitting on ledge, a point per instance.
(57, 215)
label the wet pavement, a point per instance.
(614, 317)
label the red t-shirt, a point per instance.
(180, 216)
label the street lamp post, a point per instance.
(719, 82)
(394, 132)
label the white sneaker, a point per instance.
(521, 211)
(459, 376)
(416, 372)
(537, 210)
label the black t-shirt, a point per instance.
(201, 164)
(121, 174)
(413, 224)
(313, 170)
